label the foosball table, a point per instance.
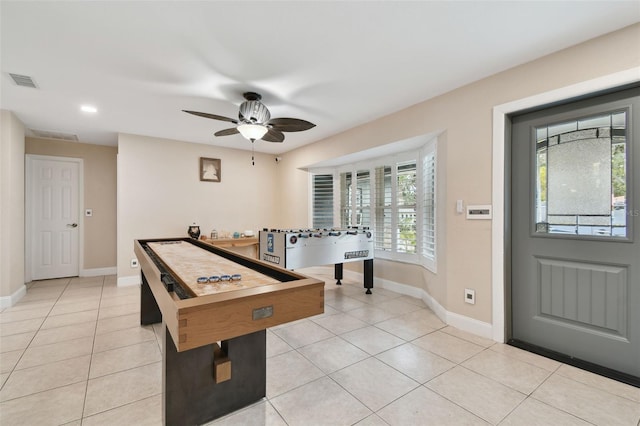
(300, 248)
(215, 306)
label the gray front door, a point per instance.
(575, 227)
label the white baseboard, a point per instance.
(464, 323)
(398, 288)
(436, 307)
(471, 325)
(129, 281)
(9, 301)
(96, 272)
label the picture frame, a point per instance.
(210, 169)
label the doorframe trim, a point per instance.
(499, 230)
(28, 216)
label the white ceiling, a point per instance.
(336, 64)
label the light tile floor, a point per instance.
(72, 352)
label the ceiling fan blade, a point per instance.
(290, 124)
(273, 135)
(227, 132)
(212, 116)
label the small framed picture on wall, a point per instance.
(210, 169)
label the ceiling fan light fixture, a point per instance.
(252, 131)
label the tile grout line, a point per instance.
(554, 407)
(453, 402)
(95, 330)
(526, 396)
(24, 350)
(559, 373)
(118, 407)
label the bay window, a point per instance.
(395, 196)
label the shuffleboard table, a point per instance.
(215, 307)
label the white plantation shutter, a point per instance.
(363, 198)
(406, 207)
(429, 204)
(322, 201)
(345, 199)
(384, 209)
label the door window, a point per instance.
(581, 177)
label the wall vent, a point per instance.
(48, 134)
(23, 80)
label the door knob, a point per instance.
(73, 225)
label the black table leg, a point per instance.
(190, 394)
(368, 275)
(338, 273)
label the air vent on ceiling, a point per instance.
(23, 80)
(47, 134)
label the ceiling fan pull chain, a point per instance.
(253, 163)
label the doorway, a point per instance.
(575, 233)
(53, 219)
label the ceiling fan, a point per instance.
(254, 121)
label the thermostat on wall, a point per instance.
(479, 212)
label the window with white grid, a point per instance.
(322, 196)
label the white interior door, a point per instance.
(54, 217)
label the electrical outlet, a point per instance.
(470, 296)
(134, 263)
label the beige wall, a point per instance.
(465, 115)
(11, 206)
(99, 195)
(160, 193)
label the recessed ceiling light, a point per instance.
(89, 108)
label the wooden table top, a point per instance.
(190, 262)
